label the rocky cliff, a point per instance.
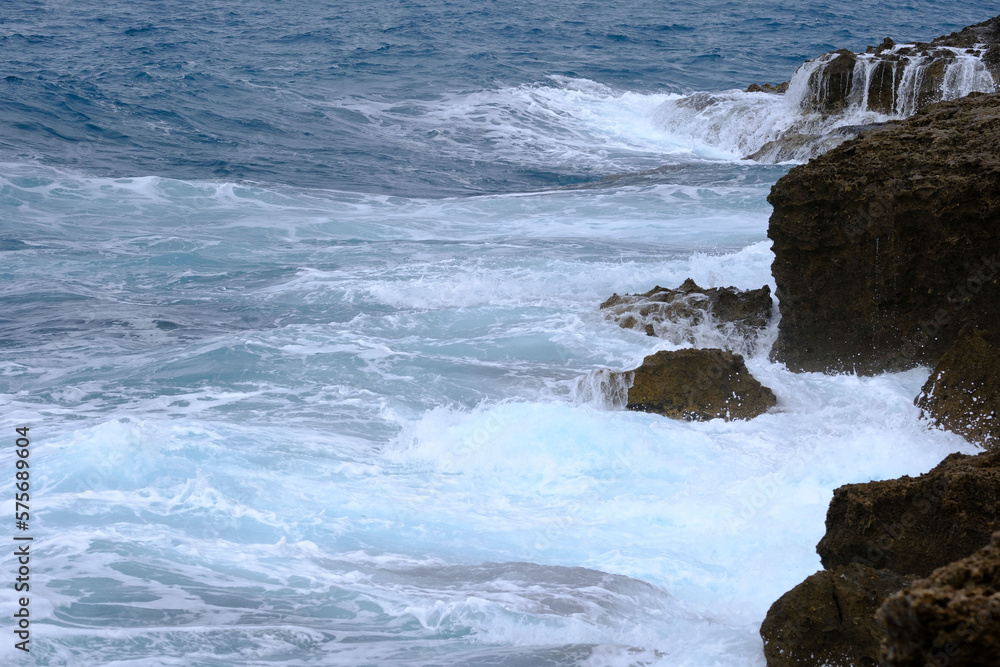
(887, 256)
(950, 618)
(887, 246)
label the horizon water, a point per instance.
(300, 303)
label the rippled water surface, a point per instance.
(299, 301)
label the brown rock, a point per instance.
(932, 81)
(832, 84)
(780, 88)
(986, 33)
(912, 525)
(698, 385)
(798, 146)
(877, 241)
(829, 619)
(841, 82)
(882, 87)
(887, 45)
(951, 618)
(963, 391)
(745, 313)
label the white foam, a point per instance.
(408, 439)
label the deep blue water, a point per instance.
(342, 95)
(299, 301)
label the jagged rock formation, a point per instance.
(879, 535)
(886, 257)
(899, 79)
(698, 385)
(986, 33)
(951, 618)
(673, 313)
(962, 393)
(830, 619)
(767, 88)
(884, 245)
(913, 525)
(891, 81)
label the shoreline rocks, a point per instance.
(913, 525)
(883, 245)
(880, 537)
(962, 393)
(830, 618)
(887, 257)
(891, 80)
(697, 385)
(767, 88)
(950, 618)
(673, 313)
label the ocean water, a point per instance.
(299, 301)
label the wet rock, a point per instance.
(767, 88)
(932, 81)
(962, 393)
(950, 618)
(985, 34)
(887, 45)
(698, 385)
(830, 619)
(882, 86)
(674, 313)
(796, 146)
(887, 86)
(883, 245)
(891, 79)
(832, 84)
(913, 525)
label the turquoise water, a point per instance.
(300, 304)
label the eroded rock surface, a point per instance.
(891, 80)
(950, 618)
(673, 313)
(913, 525)
(882, 246)
(698, 385)
(767, 88)
(962, 393)
(830, 619)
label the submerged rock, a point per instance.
(767, 88)
(698, 385)
(913, 525)
(963, 391)
(744, 313)
(799, 146)
(883, 245)
(950, 618)
(830, 619)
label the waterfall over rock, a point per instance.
(895, 81)
(842, 93)
(836, 96)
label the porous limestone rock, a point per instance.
(698, 385)
(829, 619)
(883, 245)
(913, 525)
(950, 618)
(748, 311)
(962, 393)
